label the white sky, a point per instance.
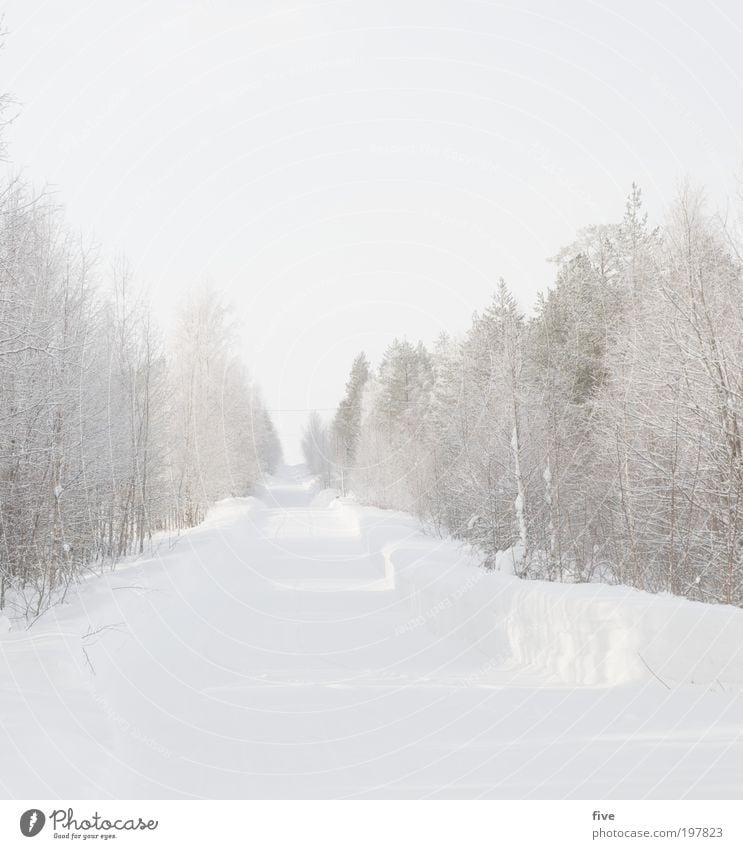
(351, 171)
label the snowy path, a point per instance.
(273, 653)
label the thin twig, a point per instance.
(90, 633)
(88, 659)
(651, 671)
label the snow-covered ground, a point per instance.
(300, 646)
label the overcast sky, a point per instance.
(351, 171)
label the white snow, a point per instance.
(324, 498)
(303, 646)
(585, 634)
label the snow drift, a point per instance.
(324, 498)
(287, 650)
(582, 634)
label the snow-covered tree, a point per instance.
(317, 449)
(104, 440)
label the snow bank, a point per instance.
(324, 498)
(583, 634)
(224, 512)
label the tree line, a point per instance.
(599, 439)
(108, 432)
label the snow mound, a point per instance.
(580, 634)
(506, 562)
(261, 493)
(224, 512)
(324, 499)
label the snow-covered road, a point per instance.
(277, 651)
